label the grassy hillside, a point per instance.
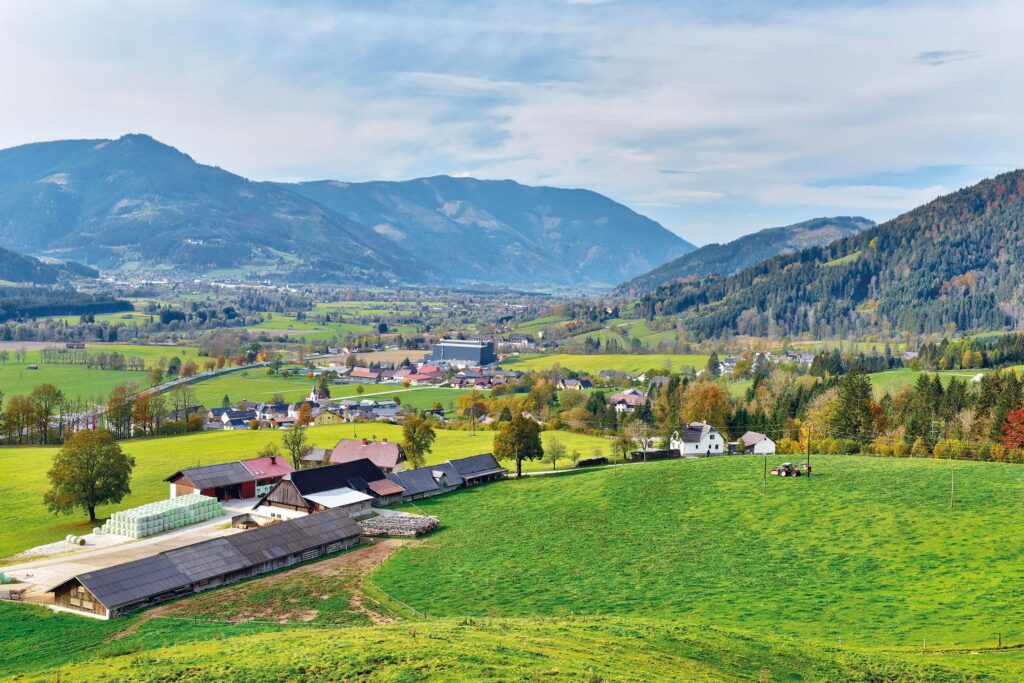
(867, 550)
(594, 363)
(563, 649)
(27, 523)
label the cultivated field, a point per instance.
(26, 522)
(594, 363)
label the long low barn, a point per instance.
(127, 587)
(433, 480)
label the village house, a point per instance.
(699, 438)
(575, 384)
(364, 376)
(627, 401)
(755, 442)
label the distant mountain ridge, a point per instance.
(135, 203)
(956, 263)
(734, 256)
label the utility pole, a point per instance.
(952, 482)
(808, 452)
(764, 485)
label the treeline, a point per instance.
(31, 302)
(951, 264)
(103, 360)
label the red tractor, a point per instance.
(788, 469)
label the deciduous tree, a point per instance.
(90, 470)
(518, 440)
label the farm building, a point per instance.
(124, 588)
(230, 480)
(755, 442)
(477, 469)
(627, 401)
(425, 482)
(385, 454)
(313, 490)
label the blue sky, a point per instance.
(714, 118)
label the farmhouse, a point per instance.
(387, 455)
(230, 480)
(124, 588)
(575, 384)
(362, 476)
(699, 438)
(755, 442)
(364, 376)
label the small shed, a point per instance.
(477, 469)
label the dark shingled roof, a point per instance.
(132, 582)
(422, 480)
(216, 475)
(355, 475)
(477, 466)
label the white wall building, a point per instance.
(699, 438)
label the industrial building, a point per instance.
(131, 586)
(462, 352)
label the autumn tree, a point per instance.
(90, 470)
(518, 440)
(1013, 429)
(46, 400)
(418, 439)
(295, 444)
(707, 402)
(554, 451)
(305, 415)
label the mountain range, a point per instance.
(734, 256)
(137, 204)
(952, 264)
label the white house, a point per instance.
(699, 438)
(754, 442)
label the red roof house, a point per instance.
(384, 454)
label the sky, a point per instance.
(716, 119)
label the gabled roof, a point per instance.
(385, 487)
(133, 582)
(383, 454)
(425, 479)
(264, 468)
(356, 475)
(751, 439)
(211, 476)
(476, 466)
(338, 497)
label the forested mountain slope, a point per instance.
(952, 263)
(734, 256)
(15, 267)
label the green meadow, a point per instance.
(27, 523)
(594, 363)
(867, 550)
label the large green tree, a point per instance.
(418, 439)
(90, 470)
(518, 440)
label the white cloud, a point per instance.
(757, 111)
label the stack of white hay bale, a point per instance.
(162, 516)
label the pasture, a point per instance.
(79, 380)
(893, 381)
(563, 649)
(26, 522)
(867, 550)
(595, 363)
